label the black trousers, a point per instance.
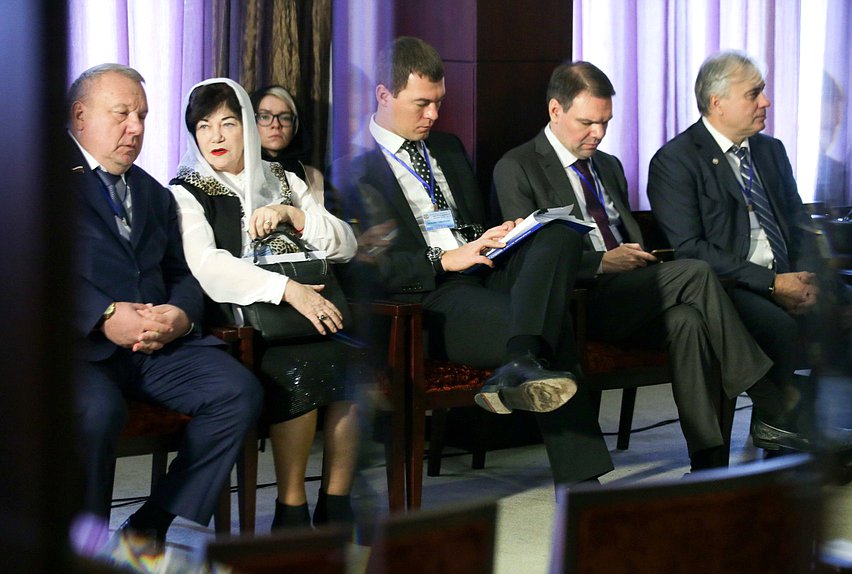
(471, 318)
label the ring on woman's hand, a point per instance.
(267, 222)
(322, 316)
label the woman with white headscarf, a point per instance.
(226, 197)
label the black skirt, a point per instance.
(304, 374)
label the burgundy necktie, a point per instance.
(593, 204)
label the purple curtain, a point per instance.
(652, 49)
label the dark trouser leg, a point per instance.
(682, 304)
(224, 399)
(774, 330)
(101, 414)
(474, 321)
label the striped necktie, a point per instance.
(758, 201)
(418, 162)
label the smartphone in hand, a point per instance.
(663, 254)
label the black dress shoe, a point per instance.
(524, 384)
(774, 437)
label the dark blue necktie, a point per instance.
(759, 202)
(117, 192)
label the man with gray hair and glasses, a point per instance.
(725, 193)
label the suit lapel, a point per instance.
(379, 176)
(139, 201)
(555, 174)
(451, 170)
(716, 162)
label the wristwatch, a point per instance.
(110, 311)
(433, 254)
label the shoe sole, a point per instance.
(542, 396)
(490, 401)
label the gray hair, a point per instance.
(80, 87)
(714, 76)
(282, 94)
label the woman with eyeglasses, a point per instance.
(282, 140)
(227, 196)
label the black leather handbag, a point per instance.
(281, 322)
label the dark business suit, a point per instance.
(191, 374)
(471, 317)
(680, 303)
(698, 203)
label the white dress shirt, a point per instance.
(418, 198)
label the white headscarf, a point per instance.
(259, 186)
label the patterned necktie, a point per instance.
(759, 202)
(418, 162)
(117, 192)
(593, 204)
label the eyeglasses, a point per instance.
(286, 119)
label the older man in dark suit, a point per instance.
(138, 319)
(725, 193)
(416, 186)
(632, 298)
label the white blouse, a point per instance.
(228, 279)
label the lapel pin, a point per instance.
(77, 169)
(715, 161)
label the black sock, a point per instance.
(521, 346)
(151, 519)
(287, 516)
(768, 401)
(335, 508)
(713, 457)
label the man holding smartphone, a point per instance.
(680, 305)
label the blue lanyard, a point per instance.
(430, 186)
(119, 210)
(592, 184)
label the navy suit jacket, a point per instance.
(149, 268)
(372, 195)
(531, 177)
(698, 203)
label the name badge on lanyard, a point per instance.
(437, 218)
(442, 219)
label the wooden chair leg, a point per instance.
(414, 454)
(394, 442)
(159, 465)
(480, 443)
(625, 421)
(222, 516)
(247, 483)
(595, 396)
(436, 441)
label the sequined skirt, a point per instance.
(300, 376)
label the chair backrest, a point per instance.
(757, 517)
(457, 540)
(321, 551)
